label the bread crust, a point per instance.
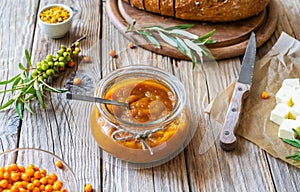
(203, 10)
(218, 10)
(152, 6)
(167, 7)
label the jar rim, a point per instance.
(170, 80)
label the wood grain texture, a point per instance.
(63, 127)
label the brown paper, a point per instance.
(283, 61)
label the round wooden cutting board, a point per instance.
(232, 37)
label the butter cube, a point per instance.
(279, 113)
(292, 83)
(295, 111)
(286, 129)
(296, 96)
(284, 95)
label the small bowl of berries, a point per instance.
(29, 169)
(55, 20)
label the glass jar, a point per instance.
(153, 128)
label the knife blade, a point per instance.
(241, 92)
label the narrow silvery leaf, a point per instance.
(19, 108)
(187, 50)
(36, 85)
(154, 41)
(10, 80)
(167, 39)
(195, 47)
(21, 66)
(184, 33)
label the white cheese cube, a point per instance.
(295, 111)
(296, 96)
(284, 95)
(292, 83)
(286, 129)
(279, 113)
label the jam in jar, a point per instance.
(153, 127)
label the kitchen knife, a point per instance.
(241, 90)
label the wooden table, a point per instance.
(63, 127)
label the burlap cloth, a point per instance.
(281, 62)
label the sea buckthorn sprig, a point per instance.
(32, 178)
(32, 82)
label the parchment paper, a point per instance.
(282, 61)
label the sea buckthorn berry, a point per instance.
(88, 188)
(24, 184)
(112, 53)
(48, 188)
(264, 95)
(63, 190)
(86, 59)
(3, 183)
(36, 190)
(37, 174)
(30, 186)
(42, 187)
(76, 81)
(44, 180)
(59, 164)
(6, 175)
(36, 183)
(71, 64)
(131, 45)
(14, 176)
(25, 177)
(53, 176)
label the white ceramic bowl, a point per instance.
(43, 160)
(56, 30)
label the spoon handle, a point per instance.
(73, 96)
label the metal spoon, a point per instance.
(73, 96)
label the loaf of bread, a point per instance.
(203, 10)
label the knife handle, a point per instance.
(227, 137)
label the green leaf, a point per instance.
(207, 35)
(40, 98)
(8, 103)
(184, 26)
(19, 108)
(10, 80)
(292, 142)
(168, 39)
(145, 33)
(297, 132)
(28, 58)
(21, 67)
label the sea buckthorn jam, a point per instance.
(155, 124)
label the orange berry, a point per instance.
(25, 177)
(88, 188)
(6, 175)
(37, 175)
(14, 189)
(48, 188)
(76, 81)
(42, 187)
(59, 164)
(14, 176)
(29, 172)
(30, 186)
(43, 172)
(63, 190)
(36, 190)
(57, 185)
(3, 183)
(86, 59)
(36, 183)
(112, 53)
(264, 95)
(71, 64)
(131, 45)
(44, 180)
